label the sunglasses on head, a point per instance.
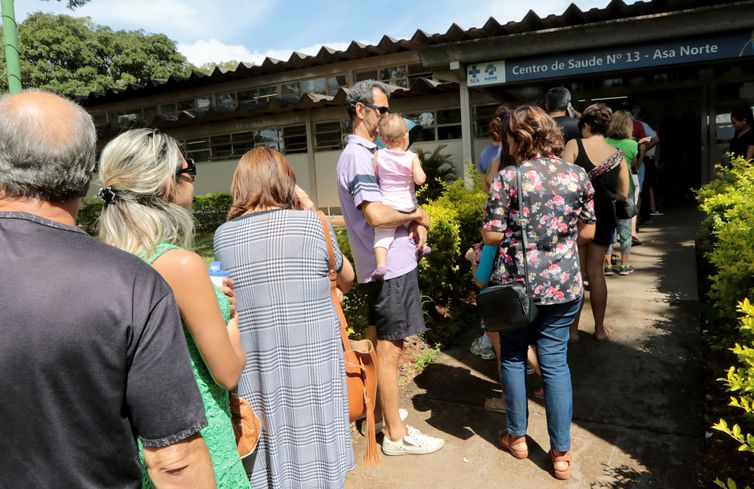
(379, 108)
(190, 169)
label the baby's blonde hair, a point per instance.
(392, 129)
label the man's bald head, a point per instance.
(47, 147)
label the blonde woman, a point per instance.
(148, 187)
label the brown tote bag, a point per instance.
(246, 425)
(361, 363)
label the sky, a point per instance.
(250, 30)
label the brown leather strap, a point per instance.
(333, 283)
(371, 455)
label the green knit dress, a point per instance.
(218, 434)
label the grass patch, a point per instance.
(203, 246)
(425, 357)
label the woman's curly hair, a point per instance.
(534, 132)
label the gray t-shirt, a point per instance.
(92, 355)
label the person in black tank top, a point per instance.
(610, 181)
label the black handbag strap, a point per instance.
(522, 225)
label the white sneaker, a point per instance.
(380, 425)
(414, 443)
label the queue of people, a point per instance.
(579, 189)
(129, 332)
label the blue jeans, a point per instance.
(550, 335)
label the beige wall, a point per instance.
(327, 179)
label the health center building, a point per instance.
(682, 66)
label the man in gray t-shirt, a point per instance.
(92, 355)
(395, 309)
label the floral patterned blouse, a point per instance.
(556, 196)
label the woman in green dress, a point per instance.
(148, 187)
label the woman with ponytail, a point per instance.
(148, 187)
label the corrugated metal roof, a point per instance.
(572, 16)
(277, 105)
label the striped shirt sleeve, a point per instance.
(362, 182)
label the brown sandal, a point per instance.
(567, 457)
(515, 445)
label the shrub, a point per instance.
(740, 383)
(89, 213)
(355, 302)
(469, 203)
(438, 270)
(439, 169)
(727, 234)
(210, 211)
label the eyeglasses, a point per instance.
(190, 169)
(379, 108)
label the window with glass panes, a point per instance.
(437, 125)
(293, 139)
(329, 136)
(255, 96)
(288, 139)
(399, 75)
(324, 85)
(226, 146)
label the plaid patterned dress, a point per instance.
(294, 375)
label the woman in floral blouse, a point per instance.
(558, 213)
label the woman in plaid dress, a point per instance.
(294, 376)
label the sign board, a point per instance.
(492, 73)
(710, 48)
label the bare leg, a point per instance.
(388, 352)
(574, 335)
(372, 337)
(598, 288)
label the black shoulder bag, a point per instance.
(509, 306)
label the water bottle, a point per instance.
(216, 273)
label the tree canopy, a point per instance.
(74, 56)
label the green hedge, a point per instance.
(727, 235)
(210, 211)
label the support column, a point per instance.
(467, 130)
(312, 163)
(10, 39)
(708, 132)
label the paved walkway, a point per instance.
(637, 399)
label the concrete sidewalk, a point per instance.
(638, 401)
